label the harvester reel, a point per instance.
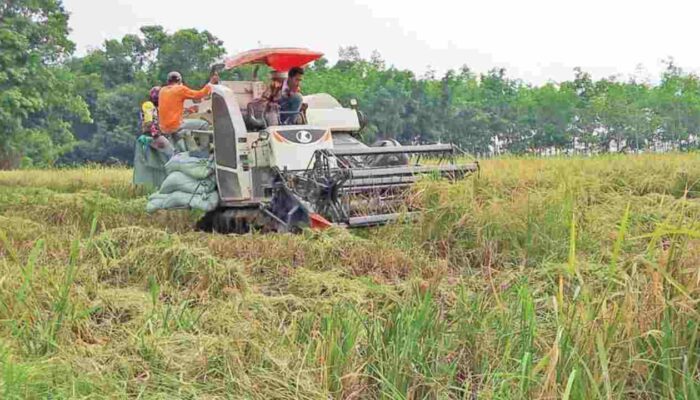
(375, 191)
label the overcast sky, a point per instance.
(535, 40)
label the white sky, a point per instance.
(536, 40)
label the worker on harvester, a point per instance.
(150, 134)
(149, 112)
(164, 130)
(171, 108)
(152, 149)
(283, 97)
(273, 92)
(291, 99)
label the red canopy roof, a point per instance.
(280, 59)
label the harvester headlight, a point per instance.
(264, 135)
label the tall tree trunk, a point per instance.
(9, 159)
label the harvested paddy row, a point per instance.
(562, 278)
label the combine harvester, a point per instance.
(315, 174)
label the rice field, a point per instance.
(562, 278)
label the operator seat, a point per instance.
(260, 114)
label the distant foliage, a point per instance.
(58, 108)
(491, 113)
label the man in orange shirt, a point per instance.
(171, 100)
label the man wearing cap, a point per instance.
(171, 100)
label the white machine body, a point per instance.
(293, 146)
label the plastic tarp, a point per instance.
(149, 166)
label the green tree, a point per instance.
(38, 99)
(616, 111)
(555, 107)
(498, 99)
(190, 52)
(584, 121)
(677, 103)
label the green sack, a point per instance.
(174, 200)
(194, 167)
(155, 202)
(180, 182)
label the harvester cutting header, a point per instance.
(282, 166)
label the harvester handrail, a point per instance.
(410, 170)
(426, 148)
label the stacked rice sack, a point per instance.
(189, 183)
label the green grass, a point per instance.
(538, 279)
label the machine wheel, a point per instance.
(206, 223)
(236, 220)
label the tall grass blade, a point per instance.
(572, 245)
(62, 305)
(617, 247)
(603, 360)
(569, 385)
(28, 270)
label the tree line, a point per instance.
(57, 108)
